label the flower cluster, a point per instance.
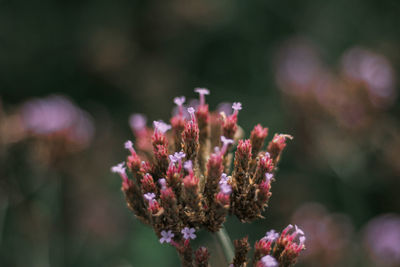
(181, 183)
(283, 248)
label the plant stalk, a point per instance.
(225, 242)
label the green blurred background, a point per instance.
(63, 207)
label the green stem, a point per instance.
(226, 244)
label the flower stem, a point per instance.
(226, 244)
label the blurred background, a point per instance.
(72, 72)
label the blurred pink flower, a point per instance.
(57, 114)
(382, 239)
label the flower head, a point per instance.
(161, 126)
(269, 261)
(166, 236)
(188, 233)
(181, 185)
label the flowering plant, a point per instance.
(180, 182)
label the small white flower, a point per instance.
(161, 126)
(129, 145)
(166, 236)
(188, 165)
(269, 261)
(176, 157)
(202, 91)
(191, 110)
(237, 106)
(224, 179)
(188, 233)
(179, 155)
(179, 100)
(271, 235)
(119, 168)
(298, 230)
(226, 189)
(149, 196)
(268, 177)
(302, 239)
(289, 227)
(226, 141)
(163, 183)
(172, 158)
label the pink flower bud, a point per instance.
(203, 115)
(257, 138)
(244, 149)
(191, 182)
(276, 146)
(167, 194)
(133, 162)
(145, 167)
(148, 184)
(154, 207)
(223, 199)
(263, 246)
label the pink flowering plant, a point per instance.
(184, 177)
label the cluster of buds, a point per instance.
(276, 249)
(180, 179)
